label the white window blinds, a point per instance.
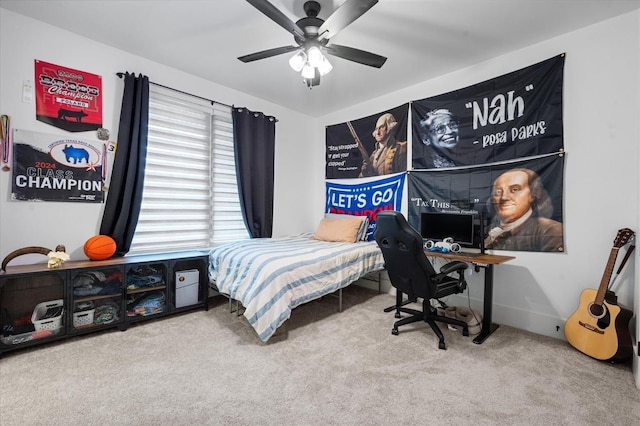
(190, 198)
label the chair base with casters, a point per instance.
(399, 304)
(429, 314)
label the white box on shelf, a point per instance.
(187, 286)
(83, 318)
(48, 315)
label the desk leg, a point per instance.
(488, 326)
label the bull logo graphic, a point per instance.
(77, 115)
(75, 154)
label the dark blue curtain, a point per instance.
(254, 143)
(122, 207)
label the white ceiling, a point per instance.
(422, 39)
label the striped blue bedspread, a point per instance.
(271, 276)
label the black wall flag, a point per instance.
(371, 146)
(520, 202)
(508, 117)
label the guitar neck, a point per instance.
(606, 276)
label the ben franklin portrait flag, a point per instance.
(520, 201)
(513, 116)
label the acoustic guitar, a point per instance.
(600, 327)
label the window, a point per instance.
(190, 198)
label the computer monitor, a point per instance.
(437, 226)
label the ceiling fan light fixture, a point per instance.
(325, 66)
(308, 71)
(297, 61)
(312, 34)
(315, 56)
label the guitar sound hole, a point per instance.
(605, 321)
(596, 310)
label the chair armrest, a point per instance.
(456, 265)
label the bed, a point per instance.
(272, 276)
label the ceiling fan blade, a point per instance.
(343, 16)
(356, 55)
(277, 16)
(268, 53)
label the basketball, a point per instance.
(100, 247)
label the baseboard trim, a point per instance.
(534, 322)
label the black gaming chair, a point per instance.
(411, 273)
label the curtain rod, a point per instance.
(121, 74)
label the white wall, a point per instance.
(47, 224)
(538, 291)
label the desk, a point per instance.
(485, 261)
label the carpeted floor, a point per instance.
(321, 368)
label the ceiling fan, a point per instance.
(312, 36)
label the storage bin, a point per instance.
(187, 287)
(83, 318)
(52, 323)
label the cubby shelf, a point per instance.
(80, 286)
